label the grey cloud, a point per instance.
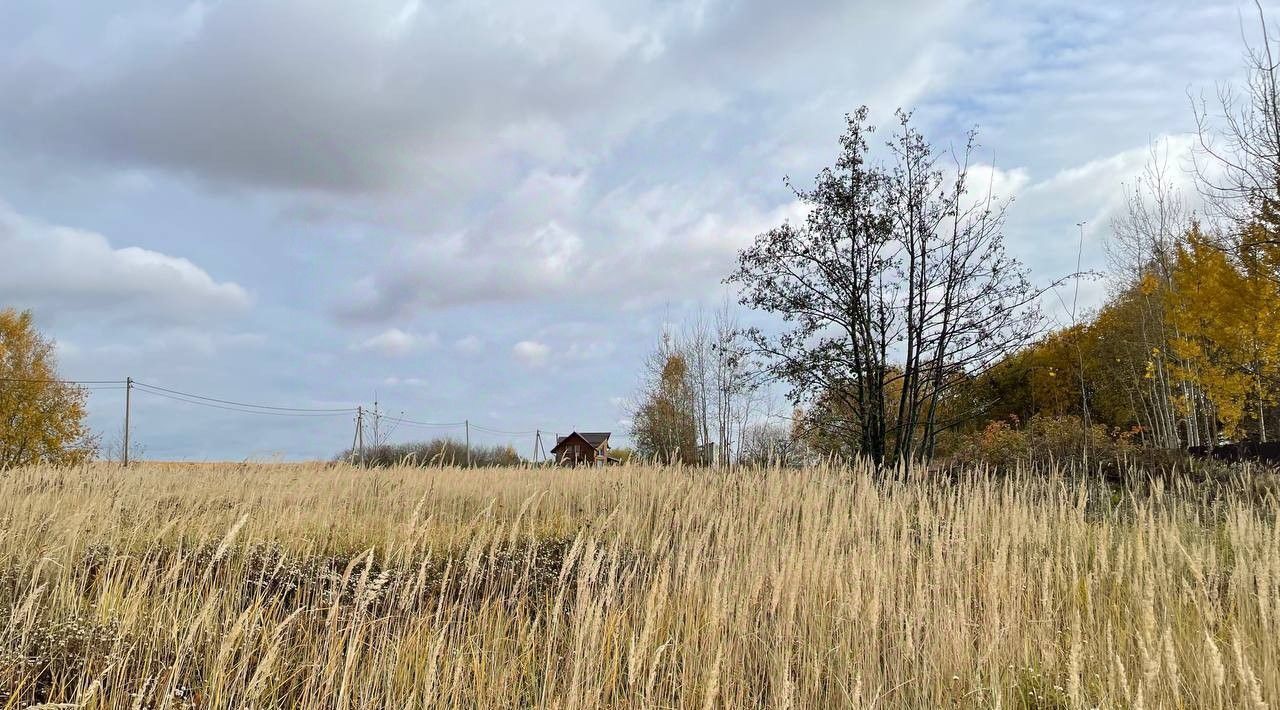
(304, 95)
(376, 96)
(494, 171)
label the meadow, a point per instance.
(287, 586)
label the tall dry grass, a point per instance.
(273, 586)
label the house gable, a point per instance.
(581, 447)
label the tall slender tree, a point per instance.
(1142, 252)
(665, 416)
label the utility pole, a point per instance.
(467, 424)
(360, 431)
(1084, 393)
(537, 444)
(128, 389)
(351, 452)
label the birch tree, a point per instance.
(1142, 251)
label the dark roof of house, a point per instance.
(594, 438)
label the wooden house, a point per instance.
(589, 448)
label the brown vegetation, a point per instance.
(329, 586)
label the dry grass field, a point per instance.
(261, 586)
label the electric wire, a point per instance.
(344, 410)
(413, 422)
(252, 408)
(245, 411)
(488, 430)
(63, 382)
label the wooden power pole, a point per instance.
(360, 432)
(128, 390)
(467, 424)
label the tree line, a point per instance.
(906, 329)
(1184, 352)
(892, 291)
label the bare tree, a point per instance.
(897, 282)
(1237, 161)
(113, 449)
(772, 443)
(713, 401)
(1145, 237)
(735, 387)
(1237, 166)
(1142, 251)
(698, 347)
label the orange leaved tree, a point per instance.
(41, 418)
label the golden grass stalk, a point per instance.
(285, 586)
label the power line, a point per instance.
(63, 382)
(252, 408)
(261, 409)
(211, 405)
(502, 431)
(345, 410)
(429, 425)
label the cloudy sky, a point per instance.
(487, 210)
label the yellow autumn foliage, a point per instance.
(1223, 309)
(41, 419)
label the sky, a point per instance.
(487, 211)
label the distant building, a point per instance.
(583, 448)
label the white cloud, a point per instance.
(405, 382)
(470, 344)
(531, 352)
(554, 240)
(60, 270)
(66, 349)
(997, 183)
(181, 344)
(586, 149)
(394, 342)
(526, 164)
(1094, 191)
(1042, 224)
